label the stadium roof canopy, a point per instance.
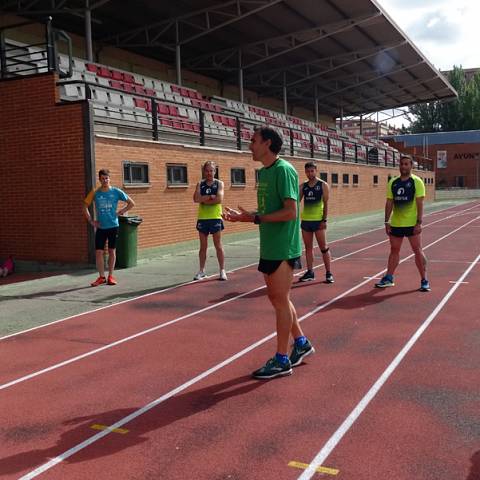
(347, 54)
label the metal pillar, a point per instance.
(88, 32)
(341, 118)
(178, 55)
(316, 104)
(285, 99)
(361, 125)
(240, 76)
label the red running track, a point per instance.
(423, 423)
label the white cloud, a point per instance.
(444, 31)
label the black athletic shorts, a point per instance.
(310, 225)
(270, 266)
(402, 231)
(104, 234)
(210, 226)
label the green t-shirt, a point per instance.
(278, 240)
(404, 194)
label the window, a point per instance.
(334, 178)
(237, 176)
(346, 179)
(177, 175)
(375, 179)
(355, 179)
(257, 171)
(135, 173)
(324, 176)
(460, 181)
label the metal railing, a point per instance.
(30, 59)
(362, 154)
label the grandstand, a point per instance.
(153, 133)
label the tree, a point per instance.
(462, 113)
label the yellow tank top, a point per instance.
(209, 212)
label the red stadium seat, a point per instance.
(139, 89)
(92, 68)
(127, 77)
(117, 75)
(104, 72)
(116, 84)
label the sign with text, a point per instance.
(442, 159)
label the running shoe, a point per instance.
(425, 285)
(299, 353)
(201, 274)
(99, 281)
(308, 276)
(111, 280)
(329, 277)
(273, 368)
(223, 275)
(386, 281)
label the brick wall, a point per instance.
(169, 213)
(42, 173)
(463, 160)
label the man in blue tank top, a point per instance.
(315, 194)
(209, 196)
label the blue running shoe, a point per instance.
(299, 353)
(273, 368)
(386, 281)
(425, 285)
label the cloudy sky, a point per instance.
(446, 31)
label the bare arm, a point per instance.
(197, 198)
(88, 217)
(130, 204)
(214, 199)
(300, 192)
(326, 197)
(388, 212)
(288, 212)
(418, 227)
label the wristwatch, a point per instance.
(257, 220)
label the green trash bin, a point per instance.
(127, 241)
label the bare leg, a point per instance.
(202, 253)
(321, 236)
(308, 241)
(100, 262)
(394, 257)
(420, 258)
(217, 241)
(278, 290)
(112, 257)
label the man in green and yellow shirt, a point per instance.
(403, 218)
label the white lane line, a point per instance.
(197, 312)
(456, 281)
(362, 405)
(152, 329)
(372, 278)
(195, 281)
(120, 423)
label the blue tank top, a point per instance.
(403, 191)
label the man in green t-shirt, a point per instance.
(403, 218)
(280, 247)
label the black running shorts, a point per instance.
(104, 234)
(402, 231)
(270, 266)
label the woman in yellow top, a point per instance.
(209, 195)
(315, 193)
